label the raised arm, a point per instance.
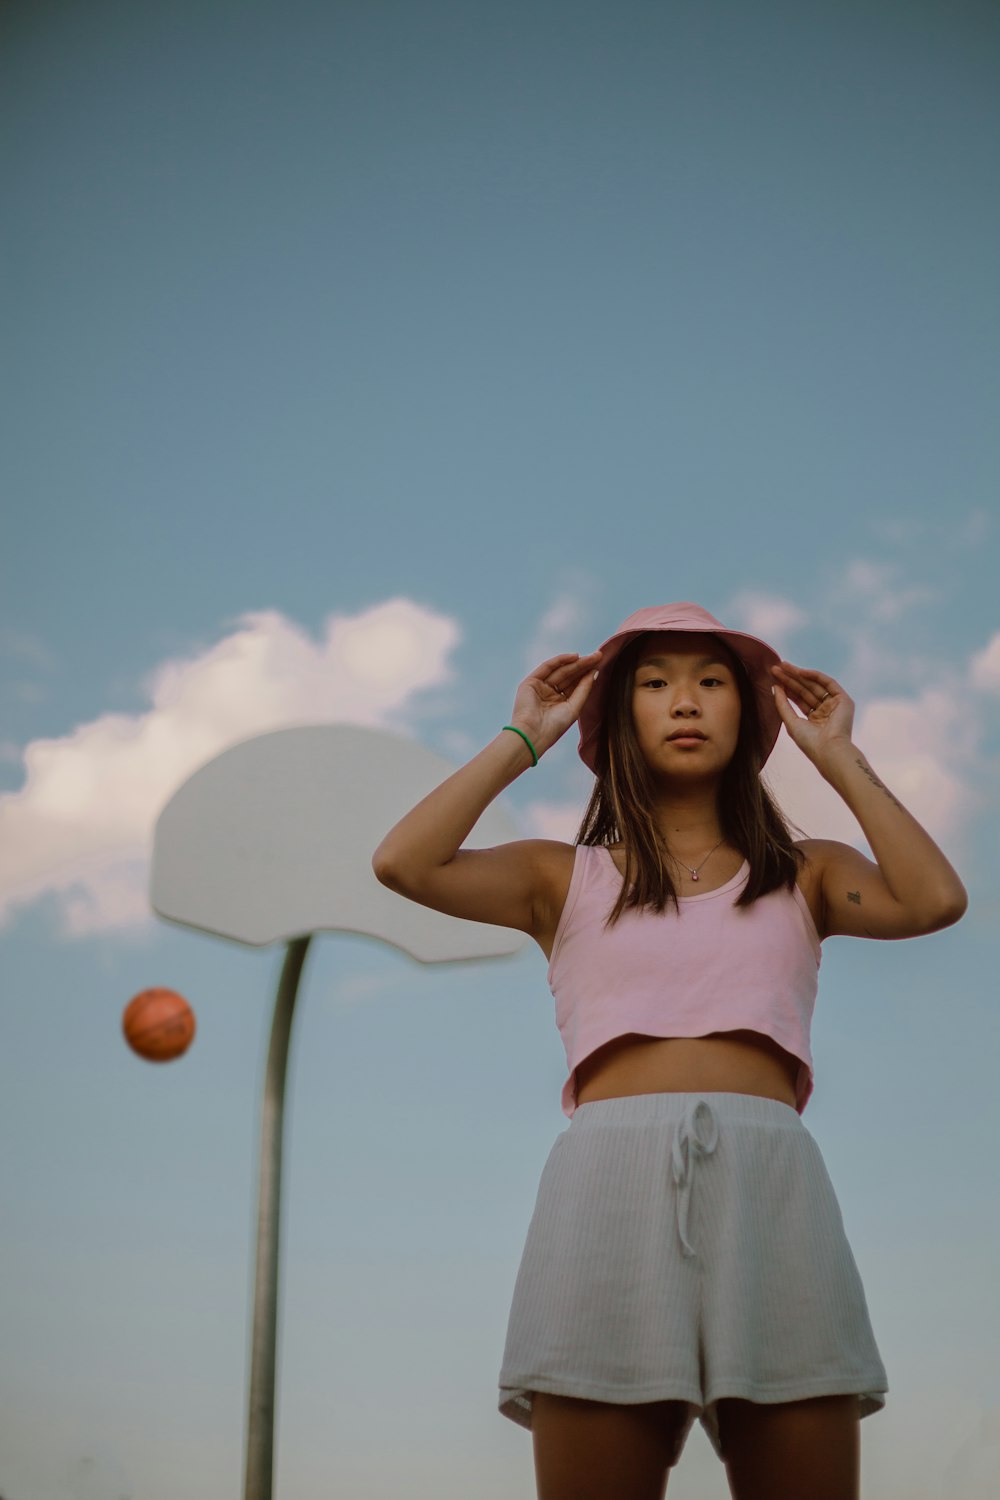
(912, 889)
(422, 856)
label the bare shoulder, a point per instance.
(546, 867)
(810, 877)
(554, 863)
(815, 852)
(541, 865)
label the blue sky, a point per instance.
(356, 358)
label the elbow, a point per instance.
(958, 908)
(384, 869)
(952, 911)
(405, 874)
(397, 873)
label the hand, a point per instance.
(550, 699)
(828, 709)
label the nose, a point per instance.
(684, 705)
(684, 696)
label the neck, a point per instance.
(689, 823)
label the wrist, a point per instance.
(837, 759)
(528, 745)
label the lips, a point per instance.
(687, 734)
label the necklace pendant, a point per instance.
(694, 874)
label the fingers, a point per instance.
(565, 672)
(565, 656)
(553, 662)
(549, 700)
(579, 694)
(806, 687)
(804, 676)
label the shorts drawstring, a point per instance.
(688, 1144)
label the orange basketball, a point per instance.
(159, 1025)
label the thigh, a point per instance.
(589, 1450)
(792, 1448)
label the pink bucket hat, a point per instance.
(757, 656)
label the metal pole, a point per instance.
(260, 1408)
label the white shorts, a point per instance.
(688, 1247)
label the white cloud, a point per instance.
(946, 532)
(900, 532)
(922, 737)
(564, 624)
(109, 896)
(460, 744)
(984, 671)
(862, 576)
(80, 827)
(920, 747)
(553, 820)
(766, 616)
(874, 666)
(861, 607)
(905, 742)
(873, 586)
(809, 802)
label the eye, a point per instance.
(662, 681)
(656, 682)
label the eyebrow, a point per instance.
(662, 661)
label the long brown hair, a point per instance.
(620, 806)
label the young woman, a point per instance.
(686, 1256)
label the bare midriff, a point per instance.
(733, 1062)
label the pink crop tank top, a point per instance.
(707, 967)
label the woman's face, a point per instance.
(685, 682)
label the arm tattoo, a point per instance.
(875, 782)
(855, 896)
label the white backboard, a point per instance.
(273, 839)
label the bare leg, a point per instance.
(595, 1450)
(794, 1450)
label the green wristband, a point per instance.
(534, 752)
